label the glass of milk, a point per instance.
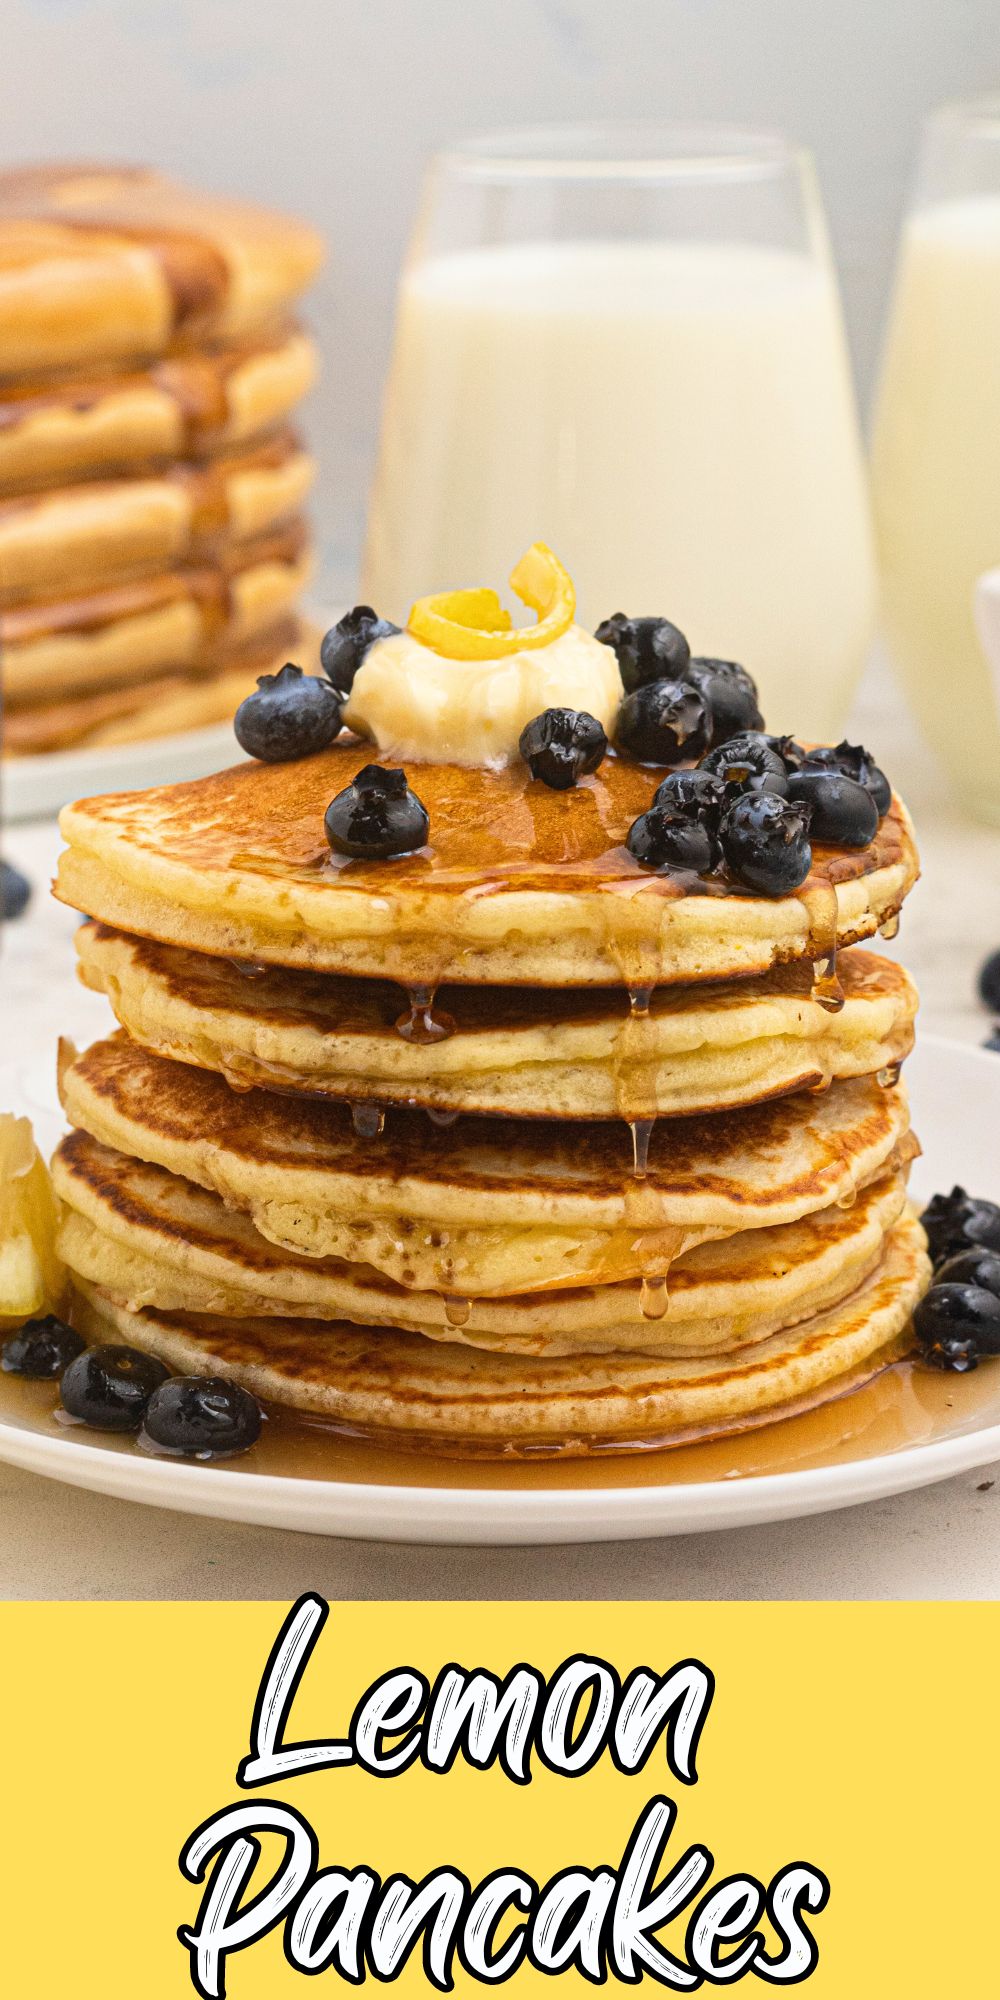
(627, 342)
(936, 455)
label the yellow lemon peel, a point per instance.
(472, 624)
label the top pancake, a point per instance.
(105, 263)
(518, 884)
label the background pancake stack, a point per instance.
(508, 1217)
(152, 543)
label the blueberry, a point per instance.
(698, 793)
(957, 1221)
(109, 1387)
(377, 816)
(291, 715)
(747, 763)
(15, 892)
(843, 813)
(792, 755)
(989, 983)
(852, 761)
(345, 645)
(562, 745)
(972, 1267)
(956, 1324)
(664, 722)
(202, 1415)
(41, 1348)
(647, 649)
(765, 840)
(668, 837)
(729, 694)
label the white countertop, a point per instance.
(58, 1542)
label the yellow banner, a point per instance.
(417, 1779)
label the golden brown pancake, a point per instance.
(535, 1054)
(163, 706)
(518, 884)
(189, 405)
(486, 1206)
(378, 1381)
(150, 1239)
(91, 536)
(105, 263)
(173, 623)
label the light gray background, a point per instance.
(332, 106)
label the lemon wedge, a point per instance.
(31, 1277)
(472, 624)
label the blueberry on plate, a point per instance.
(747, 763)
(663, 722)
(844, 814)
(15, 892)
(647, 649)
(561, 745)
(852, 761)
(957, 1221)
(972, 1267)
(957, 1324)
(729, 693)
(292, 714)
(345, 645)
(989, 983)
(765, 841)
(109, 1387)
(377, 816)
(41, 1348)
(669, 837)
(201, 1416)
(698, 793)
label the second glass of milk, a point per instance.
(627, 342)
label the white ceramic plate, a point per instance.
(956, 1106)
(38, 787)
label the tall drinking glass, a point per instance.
(936, 460)
(627, 342)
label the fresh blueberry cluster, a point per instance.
(122, 1389)
(957, 1322)
(756, 803)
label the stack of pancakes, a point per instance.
(152, 545)
(505, 1145)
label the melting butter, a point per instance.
(414, 703)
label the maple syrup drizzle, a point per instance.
(642, 1131)
(889, 929)
(654, 1299)
(368, 1120)
(421, 1025)
(457, 1311)
(820, 904)
(890, 1075)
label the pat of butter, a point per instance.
(414, 703)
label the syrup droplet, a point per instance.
(368, 1120)
(890, 1075)
(442, 1118)
(421, 1025)
(826, 987)
(639, 998)
(642, 1131)
(889, 929)
(653, 1298)
(820, 905)
(847, 1200)
(247, 968)
(457, 1311)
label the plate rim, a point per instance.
(493, 1515)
